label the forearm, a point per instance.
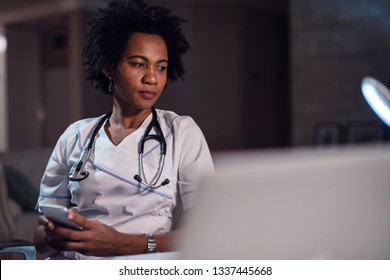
(137, 244)
(96, 239)
(166, 241)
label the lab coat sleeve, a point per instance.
(54, 183)
(195, 161)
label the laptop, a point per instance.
(293, 204)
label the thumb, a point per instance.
(74, 210)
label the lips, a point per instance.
(148, 95)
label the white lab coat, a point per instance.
(110, 189)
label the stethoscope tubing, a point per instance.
(77, 172)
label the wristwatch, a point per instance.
(151, 247)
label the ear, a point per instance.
(108, 73)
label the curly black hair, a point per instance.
(108, 35)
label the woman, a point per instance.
(122, 205)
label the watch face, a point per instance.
(152, 248)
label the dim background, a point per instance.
(260, 73)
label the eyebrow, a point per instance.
(146, 59)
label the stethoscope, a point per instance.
(77, 172)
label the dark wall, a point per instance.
(334, 45)
(236, 86)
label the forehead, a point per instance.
(146, 45)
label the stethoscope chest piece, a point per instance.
(77, 172)
(76, 177)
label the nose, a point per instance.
(150, 76)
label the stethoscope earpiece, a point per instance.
(139, 180)
(165, 182)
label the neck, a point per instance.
(129, 119)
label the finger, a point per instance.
(78, 219)
(67, 233)
(45, 222)
(42, 220)
(75, 246)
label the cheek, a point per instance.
(129, 79)
(164, 78)
(126, 73)
(163, 84)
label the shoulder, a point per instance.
(80, 129)
(175, 121)
(183, 129)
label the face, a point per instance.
(141, 73)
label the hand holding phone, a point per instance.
(59, 214)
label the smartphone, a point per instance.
(59, 214)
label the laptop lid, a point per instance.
(294, 204)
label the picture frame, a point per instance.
(364, 132)
(328, 133)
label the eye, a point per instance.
(162, 68)
(138, 64)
